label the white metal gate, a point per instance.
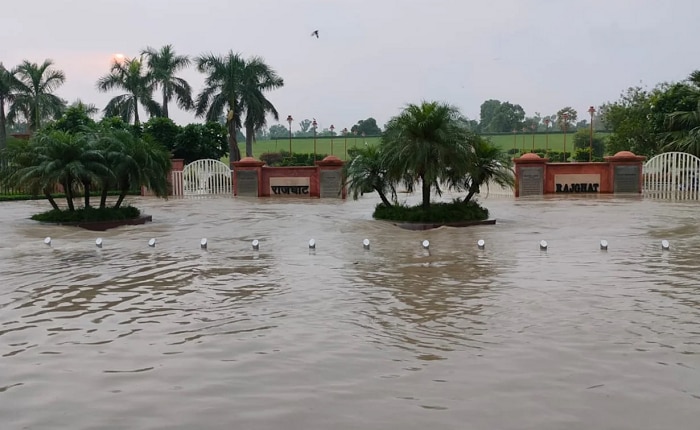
(672, 175)
(204, 177)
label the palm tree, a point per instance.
(88, 108)
(129, 75)
(257, 78)
(8, 84)
(133, 163)
(163, 65)
(34, 98)
(684, 131)
(425, 143)
(365, 172)
(487, 164)
(59, 157)
(222, 89)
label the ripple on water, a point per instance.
(505, 337)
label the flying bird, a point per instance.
(315, 33)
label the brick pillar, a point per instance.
(530, 174)
(626, 172)
(247, 177)
(331, 181)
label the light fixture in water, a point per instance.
(47, 241)
(365, 244)
(543, 245)
(152, 242)
(481, 244)
(604, 245)
(665, 245)
(426, 244)
(256, 244)
(203, 243)
(98, 242)
(312, 244)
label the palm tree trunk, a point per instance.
(249, 133)
(165, 103)
(86, 188)
(382, 196)
(122, 195)
(234, 152)
(425, 185)
(35, 126)
(69, 195)
(103, 197)
(136, 111)
(3, 129)
(49, 197)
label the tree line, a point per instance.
(234, 91)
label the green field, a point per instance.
(523, 142)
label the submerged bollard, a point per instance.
(152, 242)
(543, 245)
(365, 244)
(426, 244)
(203, 243)
(604, 245)
(312, 244)
(256, 245)
(481, 244)
(665, 245)
(98, 242)
(47, 241)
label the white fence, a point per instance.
(203, 177)
(673, 176)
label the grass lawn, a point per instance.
(523, 142)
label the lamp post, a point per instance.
(524, 133)
(345, 135)
(363, 138)
(289, 120)
(355, 134)
(565, 117)
(314, 125)
(591, 110)
(515, 141)
(534, 128)
(332, 127)
(546, 136)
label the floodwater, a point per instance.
(397, 337)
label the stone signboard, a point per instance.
(531, 181)
(626, 179)
(331, 182)
(247, 183)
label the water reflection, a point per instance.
(429, 303)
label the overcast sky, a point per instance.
(374, 56)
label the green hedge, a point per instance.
(88, 214)
(437, 212)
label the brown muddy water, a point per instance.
(510, 337)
